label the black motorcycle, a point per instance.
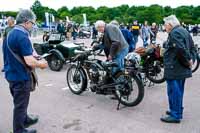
(126, 87)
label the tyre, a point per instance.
(55, 63)
(195, 66)
(132, 92)
(76, 80)
(155, 71)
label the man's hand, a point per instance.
(109, 58)
(95, 47)
(34, 63)
(191, 63)
(43, 64)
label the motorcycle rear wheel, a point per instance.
(155, 71)
(133, 85)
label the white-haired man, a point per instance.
(114, 43)
(177, 67)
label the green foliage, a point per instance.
(123, 13)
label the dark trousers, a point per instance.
(135, 37)
(20, 90)
(175, 90)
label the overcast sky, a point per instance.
(15, 5)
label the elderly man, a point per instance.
(114, 42)
(177, 67)
(19, 79)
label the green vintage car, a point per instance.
(59, 50)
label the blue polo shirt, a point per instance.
(19, 42)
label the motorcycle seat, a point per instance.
(110, 64)
(79, 43)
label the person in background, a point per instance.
(145, 33)
(94, 32)
(74, 31)
(61, 28)
(177, 67)
(195, 30)
(127, 35)
(154, 31)
(11, 24)
(16, 73)
(135, 30)
(69, 30)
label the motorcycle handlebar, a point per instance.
(85, 51)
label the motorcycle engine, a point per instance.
(96, 74)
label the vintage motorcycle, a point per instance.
(126, 87)
(151, 63)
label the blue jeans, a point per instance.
(74, 34)
(145, 41)
(175, 90)
(119, 59)
(132, 46)
(20, 91)
(135, 38)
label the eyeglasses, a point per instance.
(33, 23)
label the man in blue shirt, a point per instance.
(128, 37)
(16, 73)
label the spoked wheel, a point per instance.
(76, 80)
(55, 63)
(131, 90)
(155, 72)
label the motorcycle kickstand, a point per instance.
(119, 102)
(150, 84)
(145, 81)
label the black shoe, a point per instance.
(30, 131)
(168, 112)
(169, 119)
(31, 120)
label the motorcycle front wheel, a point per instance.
(76, 80)
(155, 71)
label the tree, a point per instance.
(38, 9)
(63, 12)
(123, 13)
